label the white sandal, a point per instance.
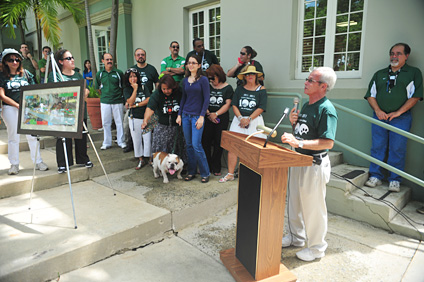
(225, 178)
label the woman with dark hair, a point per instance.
(87, 73)
(165, 103)
(137, 97)
(247, 54)
(66, 63)
(249, 102)
(15, 76)
(218, 116)
(194, 104)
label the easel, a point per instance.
(54, 69)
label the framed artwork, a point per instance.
(52, 109)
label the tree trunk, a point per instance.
(21, 29)
(39, 38)
(90, 40)
(114, 29)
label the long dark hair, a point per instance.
(127, 77)
(249, 50)
(58, 56)
(199, 70)
(6, 69)
(85, 68)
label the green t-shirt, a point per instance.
(148, 75)
(12, 87)
(166, 107)
(248, 101)
(110, 84)
(168, 62)
(142, 94)
(316, 121)
(75, 76)
(409, 84)
(41, 64)
(218, 98)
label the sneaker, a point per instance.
(89, 164)
(394, 186)
(373, 181)
(123, 146)
(41, 166)
(14, 169)
(104, 147)
(308, 255)
(288, 241)
(61, 169)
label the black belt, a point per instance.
(317, 158)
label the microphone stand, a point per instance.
(286, 111)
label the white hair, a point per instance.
(328, 76)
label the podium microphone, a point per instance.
(266, 130)
(286, 111)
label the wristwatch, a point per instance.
(301, 144)
(216, 114)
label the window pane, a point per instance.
(357, 5)
(218, 27)
(320, 27)
(319, 45)
(306, 63)
(218, 42)
(307, 46)
(201, 31)
(339, 62)
(354, 42)
(212, 15)
(340, 43)
(195, 22)
(309, 10)
(341, 24)
(212, 29)
(212, 43)
(318, 61)
(342, 6)
(195, 32)
(321, 8)
(308, 29)
(352, 62)
(201, 18)
(218, 14)
(355, 22)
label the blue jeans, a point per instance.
(195, 153)
(396, 144)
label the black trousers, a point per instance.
(211, 138)
(81, 156)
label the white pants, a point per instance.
(307, 211)
(117, 112)
(10, 117)
(142, 142)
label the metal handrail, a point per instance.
(374, 160)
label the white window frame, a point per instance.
(330, 36)
(205, 10)
(98, 58)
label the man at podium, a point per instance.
(314, 133)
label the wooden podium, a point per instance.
(261, 204)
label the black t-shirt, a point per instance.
(166, 107)
(142, 94)
(218, 98)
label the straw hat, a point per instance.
(9, 51)
(250, 69)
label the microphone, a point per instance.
(286, 111)
(296, 103)
(266, 130)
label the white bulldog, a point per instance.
(164, 163)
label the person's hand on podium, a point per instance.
(290, 139)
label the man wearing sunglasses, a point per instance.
(29, 63)
(392, 92)
(174, 64)
(208, 57)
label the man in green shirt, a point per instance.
(174, 64)
(392, 92)
(43, 61)
(29, 63)
(110, 83)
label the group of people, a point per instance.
(185, 109)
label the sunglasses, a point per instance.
(68, 58)
(132, 70)
(242, 53)
(251, 73)
(14, 60)
(175, 47)
(310, 80)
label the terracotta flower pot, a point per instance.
(94, 112)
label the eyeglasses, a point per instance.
(192, 63)
(310, 80)
(242, 53)
(398, 54)
(175, 47)
(132, 70)
(14, 60)
(69, 58)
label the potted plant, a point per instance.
(93, 108)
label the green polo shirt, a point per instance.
(110, 84)
(409, 84)
(168, 62)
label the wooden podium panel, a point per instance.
(261, 204)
